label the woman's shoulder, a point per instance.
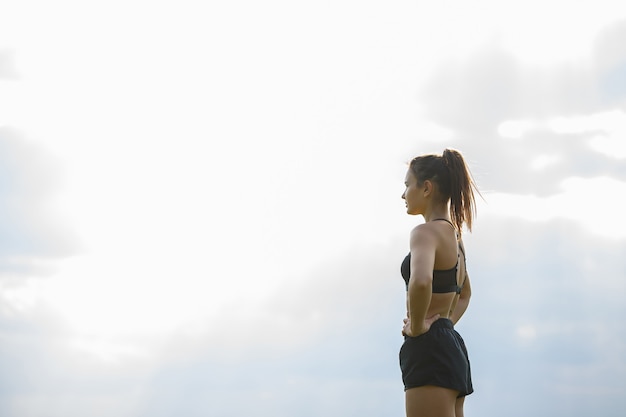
(424, 232)
(429, 228)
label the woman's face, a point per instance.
(413, 194)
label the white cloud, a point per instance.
(606, 131)
(540, 162)
(580, 200)
(612, 145)
(610, 121)
(515, 129)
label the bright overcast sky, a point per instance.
(201, 216)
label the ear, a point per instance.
(428, 188)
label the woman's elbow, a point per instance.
(420, 281)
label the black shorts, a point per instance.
(437, 357)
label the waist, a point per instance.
(441, 323)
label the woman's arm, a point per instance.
(463, 301)
(423, 246)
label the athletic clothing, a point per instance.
(444, 281)
(439, 356)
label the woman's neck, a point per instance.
(434, 213)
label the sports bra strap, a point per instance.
(445, 220)
(459, 288)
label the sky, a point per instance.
(200, 209)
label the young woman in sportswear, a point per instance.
(433, 358)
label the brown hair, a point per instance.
(454, 182)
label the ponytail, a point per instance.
(462, 186)
(454, 181)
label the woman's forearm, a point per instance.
(459, 310)
(419, 296)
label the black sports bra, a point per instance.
(444, 280)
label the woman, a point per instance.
(433, 359)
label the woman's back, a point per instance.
(449, 268)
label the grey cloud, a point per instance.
(473, 97)
(28, 230)
(610, 61)
(488, 82)
(522, 272)
(568, 285)
(348, 366)
(29, 233)
(491, 86)
(40, 377)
